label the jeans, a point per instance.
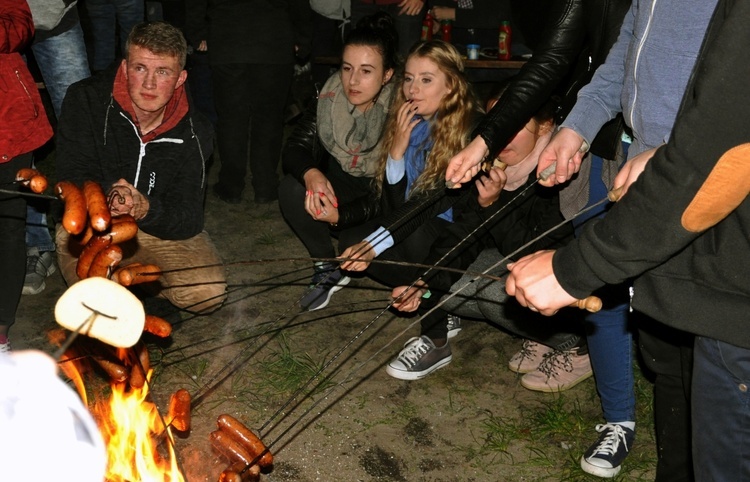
(62, 62)
(201, 289)
(609, 338)
(721, 411)
(105, 16)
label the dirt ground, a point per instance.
(471, 421)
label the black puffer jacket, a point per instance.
(304, 151)
(575, 42)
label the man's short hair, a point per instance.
(160, 38)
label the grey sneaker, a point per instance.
(38, 267)
(419, 358)
(326, 280)
(528, 358)
(454, 326)
(605, 457)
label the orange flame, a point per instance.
(131, 427)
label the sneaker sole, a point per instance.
(454, 332)
(401, 375)
(602, 472)
(549, 389)
(30, 290)
(342, 282)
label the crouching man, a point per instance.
(133, 130)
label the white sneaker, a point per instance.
(454, 326)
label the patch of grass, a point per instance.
(266, 238)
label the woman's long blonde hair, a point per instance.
(451, 124)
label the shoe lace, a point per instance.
(327, 277)
(411, 355)
(610, 442)
(555, 361)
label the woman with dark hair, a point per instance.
(332, 156)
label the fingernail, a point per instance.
(318, 212)
(321, 194)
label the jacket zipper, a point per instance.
(637, 59)
(28, 94)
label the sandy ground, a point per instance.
(471, 421)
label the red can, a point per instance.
(504, 40)
(446, 26)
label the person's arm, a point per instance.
(16, 26)
(691, 185)
(76, 159)
(536, 81)
(300, 150)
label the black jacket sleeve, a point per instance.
(303, 150)
(538, 78)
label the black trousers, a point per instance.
(415, 248)
(12, 240)
(316, 235)
(250, 101)
(668, 353)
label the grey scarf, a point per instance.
(349, 135)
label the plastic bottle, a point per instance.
(504, 41)
(427, 27)
(446, 26)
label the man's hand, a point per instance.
(490, 186)
(564, 150)
(319, 195)
(410, 7)
(533, 283)
(408, 298)
(465, 165)
(632, 170)
(124, 198)
(361, 255)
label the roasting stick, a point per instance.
(28, 194)
(590, 303)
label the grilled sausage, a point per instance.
(105, 260)
(248, 439)
(93, 247)
(96, 205)
(157, 326)
(74, 215)
(179, 410)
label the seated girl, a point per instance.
(331, 156)
(431, 119)
(519, 216)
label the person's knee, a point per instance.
(200, 299)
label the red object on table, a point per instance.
(504, 41)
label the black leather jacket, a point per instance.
(575, 41)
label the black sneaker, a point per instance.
(604, 458)
(38, 267)
(326, 280)
(419, 358)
